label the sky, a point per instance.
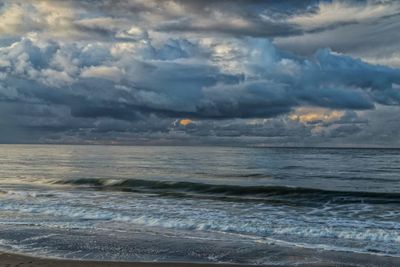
(200, 72)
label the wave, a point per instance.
(259, 192)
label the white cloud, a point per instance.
(55, 78)
(336, 12)
(134, 33)
(104, 72)
(392, 60)
(4, 63)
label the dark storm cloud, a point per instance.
(242, 18)
(367, 29)
(196, 90)
(131, 69)
(355, 39)
(270, 128)
(268, 19)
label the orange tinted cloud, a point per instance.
(185, 122)
(307, 115)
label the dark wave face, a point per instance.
(215, 204)
(236, 192)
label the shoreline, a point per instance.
(8, 259)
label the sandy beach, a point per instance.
(16, 260)
(331, 259)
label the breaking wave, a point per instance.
(255, 192)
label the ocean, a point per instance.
(201, 204)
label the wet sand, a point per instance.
(18, 260)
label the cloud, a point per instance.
(194, 84)
(102, 72)
(392, 60)
(364, 29)
(185, 122)
(315, 115)
(128, 69)
(336, 13)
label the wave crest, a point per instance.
(259, 192)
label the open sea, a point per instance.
(204, 204)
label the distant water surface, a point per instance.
(213, 204)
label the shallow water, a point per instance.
(197, 203)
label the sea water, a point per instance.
(215, 204)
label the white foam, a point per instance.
(260, 221)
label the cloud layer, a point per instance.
(198, 72)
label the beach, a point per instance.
(16, 260)
(332, 259)
(11, 260)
